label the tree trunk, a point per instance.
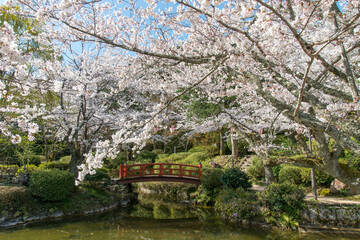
(222, 143)
(77, 158)
(269, 175)
(234, 147)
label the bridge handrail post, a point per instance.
(200, 170)
(161, 170)
(125, 170)
(142, 170)
(181, 171)
(121, 171)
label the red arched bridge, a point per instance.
(165, 172)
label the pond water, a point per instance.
(153, 219)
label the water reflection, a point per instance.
(154, 219)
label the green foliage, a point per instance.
(256, 171)
(283, 203)
(158, 151)
(209, 150)
(54, 165)
(30, 169)
(302, 176)
(115, 163)
(201, 109)
(195, 158)
(235, 178)
(13, 197)
(210, 178)
(65, 159)
(52, 185)
(37, 159)
(146, 156)
(288, 146)
(205, 196)
(236, 204)
(290, 174)
(100, 178)
(9, 169)
(173, 158)
(243, 146)
(26, 25)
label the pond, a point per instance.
(153, 219)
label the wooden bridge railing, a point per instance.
(147, 170)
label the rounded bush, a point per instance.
(290, 174)
(210, 178)
(235, 178)
(282, 204)
(256, 171)
(195, 158)
(55, 165)
(302, 176)
(209, 150)
(65, 159)
(51, 185)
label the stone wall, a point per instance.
(332, 215)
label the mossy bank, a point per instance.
(19, 207)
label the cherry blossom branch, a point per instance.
(302, 88)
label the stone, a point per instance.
(336, 186)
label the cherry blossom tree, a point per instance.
(21, 60)
(297, 57)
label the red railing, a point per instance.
(147, 170)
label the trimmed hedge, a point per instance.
(52, 185)
(235, 178)
(210, 178)
(302, 176)
(55, 165)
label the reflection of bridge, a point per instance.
(164, 172)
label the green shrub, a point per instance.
(65, 159)
(256, 171)
(173, 158)
(290, 174)
(236, 204)
(205, 196)
(302, 176)
(209, 150)
(51, 185)
(158, 151)
(145, 156)
(115, 163)
(13, 197)
(210, 178)
(235, 178)
(100, 177)
(30, 169)
(9, 169)
(54, 165)
(195, 158)
(282, 204)
(37, 159)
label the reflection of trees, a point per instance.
(154, 207)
